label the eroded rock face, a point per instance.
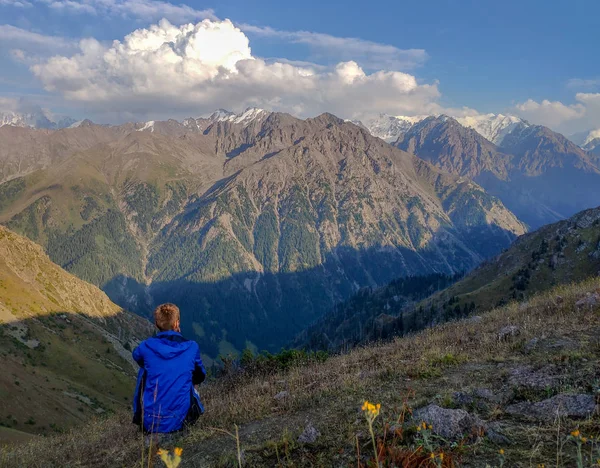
(449, 423)
(571, 406)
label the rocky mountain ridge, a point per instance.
(261, 211)
(539, 174)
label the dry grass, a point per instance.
(427, 366)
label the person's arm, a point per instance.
(137, 356)
(199, 373)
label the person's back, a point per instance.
(165, 399)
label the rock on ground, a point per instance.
(591, 300)
(449, 423)
(507, 332)
(528, 377)
(282, 395)
(572, 406)
(309, 435)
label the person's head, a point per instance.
(166, 317)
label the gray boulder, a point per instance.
(510, 331)
(309, 435)
(449, 423)
(591, 300)
(571, 406)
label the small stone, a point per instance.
(559, 299)
(462, 399)
(495, 435)
(564, 405)
(449, 423)
(282, 395)
(530, 345)
(591, 300)
(309, 435)
(510, 331)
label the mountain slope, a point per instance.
(538, 174)
(490, 389)
(62, 341)
(560, 253)
(287, 236)
(240, 218)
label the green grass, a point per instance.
(454, 357)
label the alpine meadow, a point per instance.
(370, 240)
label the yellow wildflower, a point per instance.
(575, 433)
(430, 427)
(584, 439)
(162, 452)
(442, 456)
(424, 425)
(501, 451)
(432, 456)
(178, 451)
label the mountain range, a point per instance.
(538, 174)
(256, 224)
(35, 118)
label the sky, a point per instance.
(118, 60)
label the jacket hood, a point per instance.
(168, 344)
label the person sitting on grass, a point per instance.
(165, 400)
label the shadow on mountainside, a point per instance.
(63, 369)
(265, 311)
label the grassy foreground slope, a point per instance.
(546, 358)
(62, 345)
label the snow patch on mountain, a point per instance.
(493, 127)
(389, 127)
(147, 126)
(591, 141)
(244, 118)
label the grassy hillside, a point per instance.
(499, 377)
(62, 344)
(560, 253)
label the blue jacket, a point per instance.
(165, 398)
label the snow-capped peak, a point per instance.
(147, 126)
(494, 127)
(589, 139)
(246, 117)
(389, 127)
(36, 119)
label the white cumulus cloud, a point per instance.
(550, 113)
(194, 68)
